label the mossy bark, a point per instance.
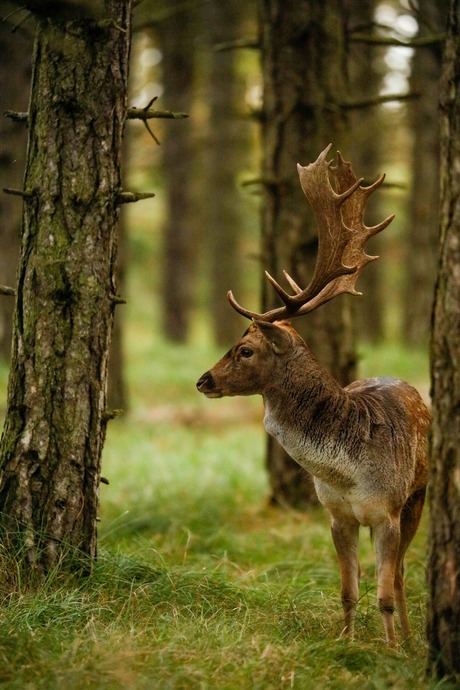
(444, 537)
(56, 412)
(303, 62)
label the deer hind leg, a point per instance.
(410, 518)
(345, 535)
(387, 540)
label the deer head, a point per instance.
(342, 235)
(251, 365)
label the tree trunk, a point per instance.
(422, 236)
(444, 559)
(176, 39)
(56, 415)
(227, 147)
(303, 58)
(365, 153)
(16, 50)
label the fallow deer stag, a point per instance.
(364, 444)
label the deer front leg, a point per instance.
(387, 538)
(345, 535)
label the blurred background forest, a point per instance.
(201, 235)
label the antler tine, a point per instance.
(340, 198)
(375, 229)
(292, 283)
(286, 298)
(372, 187)
(272, 315)
(237, 307)
(367, 191)
(341, 237)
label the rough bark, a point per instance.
(303, 63)
(15, 66)
(56, 411)
(444, 538)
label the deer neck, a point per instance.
(306, 411)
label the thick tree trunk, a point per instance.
(365, 151)
(56, 415)
(303, 57)
(444, 560)
(227, 149)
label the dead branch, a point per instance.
(16, 116)
(237, 43)
(18, 192)
(7, 291)
(417, 42)
(144, 114)
(147, 114)
(132, 197)
(379, 100)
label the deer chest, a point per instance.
(325, 460)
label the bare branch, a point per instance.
(147, 113)
(237, 43)
(116, 299)
(147, 127)
(263, 181)
(7, 291)
(110, 414)
(379, 100)
(418, 42)
(143, 114)
(18, 192)
(132, 197)
(14, 115)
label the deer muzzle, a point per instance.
(207, 385)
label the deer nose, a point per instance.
(206, 383)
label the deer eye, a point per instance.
(246, 352)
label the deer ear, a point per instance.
(279, 338)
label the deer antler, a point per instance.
(341, 234)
